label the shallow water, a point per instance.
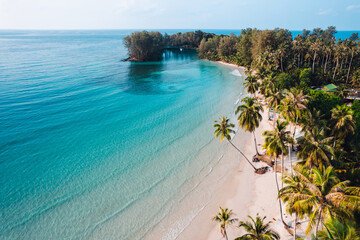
(93, 147)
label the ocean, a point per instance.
(95, 148)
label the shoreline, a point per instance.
(245, 192)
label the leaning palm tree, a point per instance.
(337, 230)
(224, 129)
(324, 195)
(224, 217)
(252, 85)
(257, 230)
(275, 145)
(315, 148)
(343, 122)
(250, 116)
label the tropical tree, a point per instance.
(250, 116)
(267, 85)
(257, 229)
(224, 217)
(291, 193)
(224, 129)
(274, 99)
(312, 118)
(298, 100)
(275, 145)
(315, 148)
(324, 196)
(287, 110)
(343, 123)
(252, 85)
(277, 140)
(315, 47)
(338, 230)
(353, 46)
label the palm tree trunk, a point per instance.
(295, 226)
(243, 155)
(291, 166)
(296, 120)
(282, 170)
(278, 189)
(257, 152)
(313, 66)
(318, 223)
(226, 236)
(327, 55)
(342, 61)
(292, 174)
(347, 77)
(298, 61)
(332, 157)
(337, 63)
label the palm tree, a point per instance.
(315, 47)
(274, 99)
(250, 116)
(252, 85)
(293, 184)
(324, 195)
(354, 48)
(315, 148)
(267, 85)
(223, 129)
(298, 100)
(276, 141)
(342, 117)
(224, 217)
(337, 230)
(275, 145)
(312, 118)
(287, 110)
(257, 230)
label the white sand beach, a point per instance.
(245, 192)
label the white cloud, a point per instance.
(325, 11)
(351, 7)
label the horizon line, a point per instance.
(108, 29)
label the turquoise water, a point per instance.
(95, 148)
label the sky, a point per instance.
(179, 14)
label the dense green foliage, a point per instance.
(145, 46)
(310, 59)
(149, 46)
(274, 51)
(324, 102)
(324, 186)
